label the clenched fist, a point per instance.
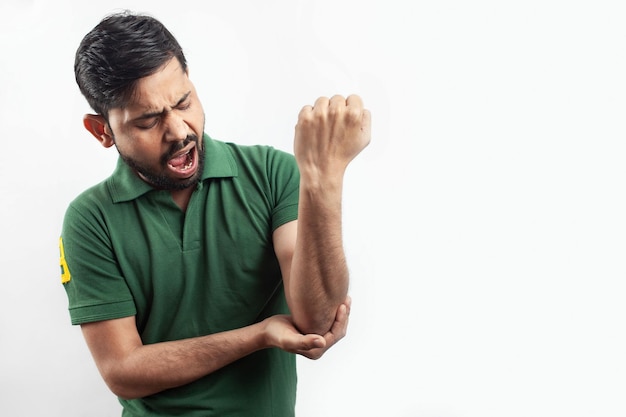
(329, 135)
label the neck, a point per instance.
(182, 197)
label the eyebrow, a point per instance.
(150, 115)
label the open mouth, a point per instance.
(184, 163)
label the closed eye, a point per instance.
(184, 104)
(148, 123)
(152, 119)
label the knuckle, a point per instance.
(353, 115)
(334, 112)
(305, 115)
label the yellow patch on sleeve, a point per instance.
(65, 271)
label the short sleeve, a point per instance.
(95, 287)
(284, 178)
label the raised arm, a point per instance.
(328, 136)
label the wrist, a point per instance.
(264, 338)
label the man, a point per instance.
(199, 268)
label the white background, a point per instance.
(485, 225)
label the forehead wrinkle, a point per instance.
(155, 90)
(158, 93)
(148, 111)
(134, 111)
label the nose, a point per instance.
(176, 128)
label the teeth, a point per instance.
(190, 163)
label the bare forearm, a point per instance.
(149, 369)
(328, 136)
(319, 275)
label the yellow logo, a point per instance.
(65, 271)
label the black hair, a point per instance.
(115, 54)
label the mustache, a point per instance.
(177, 147)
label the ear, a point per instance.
(99, 128)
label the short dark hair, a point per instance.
(115, 54)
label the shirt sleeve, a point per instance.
(94, 285)
(284, 178)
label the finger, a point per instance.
(310, 342)
(354, 101)
(348, 303)
(339, 328)
(337, 100)
(337, 107)
(305, 110)
(342, 314)
(321, 103)
(309, 345)
(316, 350)
(312, 354)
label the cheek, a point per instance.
(197, 119)
(139, 147)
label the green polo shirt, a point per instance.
(127, 249)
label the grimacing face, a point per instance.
(159, 132)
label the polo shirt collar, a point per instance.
(125, 184)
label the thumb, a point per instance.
(313, 342)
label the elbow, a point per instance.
(314, 324)
(124, 392)
(316, 315)
(332, 326)
(121, 390)
(122, 386)
(319, 319)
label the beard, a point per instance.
(160, 179)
